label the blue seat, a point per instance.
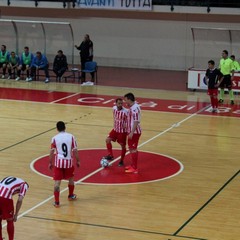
(91, 67)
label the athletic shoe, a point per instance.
(131, 170)
(89, 83)
(17, 79)
(9, 77)
(121, 164)
(109, 157)
(29, 79)
(3, 76)
(72, 197)
(56, 204)
(220, 101)
(232, 102)
(47, 80)
(26, 79)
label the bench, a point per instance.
(72, 74)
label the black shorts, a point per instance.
(226, 82)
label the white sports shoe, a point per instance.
(89, 83)
(215, 110)
(26, 79)
(17, 78)
(9, 77)
(47, 80)
(29, 79)
(3, 76)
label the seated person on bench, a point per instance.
(40, 62)
(13, 64)
(26, 59)
(60, 65)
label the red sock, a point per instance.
(10, 230)
(109, 148)
(212, 101)
(216, 102)
(71, 189)
(56, 195)
(134, 159)
(123, 153)
(0, 229)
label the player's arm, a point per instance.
(220, 79)
(207, 76)
(78, 47)
(18, 207)
(232, 74)
(207, 79)
(135, 124)
(51, 157)
(232, 71)
(75, 154)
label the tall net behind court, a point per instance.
(208, 43)
(47, 37)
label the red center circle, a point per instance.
(151, 167)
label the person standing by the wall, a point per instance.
(227, 69)
(236, 64)
(86, 54)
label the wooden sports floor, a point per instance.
(200, 201)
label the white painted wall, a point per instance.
(135, 43)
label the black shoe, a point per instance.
(232, 102)
(109, 157)
(121, 164)
(220, 101)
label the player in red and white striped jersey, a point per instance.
(64, 147)
(118, 133)
(10, 186)
(134, 131)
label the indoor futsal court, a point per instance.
(187, 187)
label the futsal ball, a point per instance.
(104, 162)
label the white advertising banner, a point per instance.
(143, 5)
(196, 80)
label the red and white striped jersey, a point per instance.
(63, 143)
(134, 114)
(120, 119)
(10, 186)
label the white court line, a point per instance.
(60, 99)
(98, 170)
